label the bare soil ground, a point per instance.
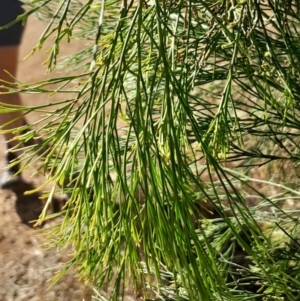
(26, 267)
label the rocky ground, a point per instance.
(26, 267)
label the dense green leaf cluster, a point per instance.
(180, 147)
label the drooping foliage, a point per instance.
(180, 148)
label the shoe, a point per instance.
(11, 175)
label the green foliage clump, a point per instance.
(173, 146)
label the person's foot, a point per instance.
(11, 175)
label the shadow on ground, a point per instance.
(29, 206)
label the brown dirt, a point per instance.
(26, 267)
